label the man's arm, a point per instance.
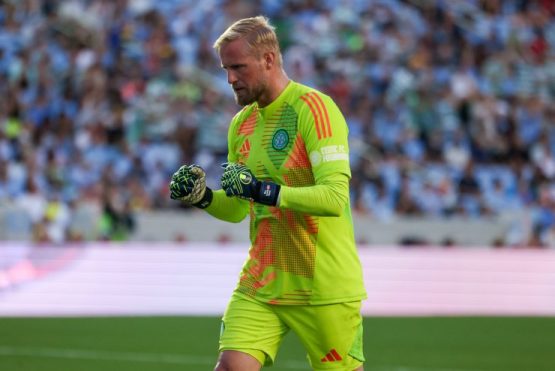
(325, 135)
(229, 209)
(327, 198)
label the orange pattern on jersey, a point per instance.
(311, 224)
(298, 163)
(295, 246)
(247, 127)
(245, 150)
(298, 158)
(299, 178)
(320, 114)
(261, 257)
(285, 242)
(264, 281)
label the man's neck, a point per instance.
(277, 86)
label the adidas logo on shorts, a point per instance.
(332, 356)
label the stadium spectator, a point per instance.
(443, 82)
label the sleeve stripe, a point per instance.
(316, 117)
(327, 118)
(321, 123)
(320, 113)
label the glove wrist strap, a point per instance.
(267, 193)
(206, 199)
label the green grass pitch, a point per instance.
(190, 343)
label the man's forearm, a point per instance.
(229, 209)
(326, 199)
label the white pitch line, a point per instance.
(412, 368)
(65, 353)
(105, 355)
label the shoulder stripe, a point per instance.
(307, 100)
(321, 124)
(325, 110)
(320, 113)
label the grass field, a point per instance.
(189, 343)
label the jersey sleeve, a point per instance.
(324, 132)
(329, 198)
(229, 209)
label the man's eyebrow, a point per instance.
(234, 65)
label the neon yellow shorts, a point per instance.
(331, 334)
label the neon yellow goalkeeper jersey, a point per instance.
(296, 258)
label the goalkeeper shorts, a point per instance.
(331, 334)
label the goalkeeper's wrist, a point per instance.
(267, 193)
(206, 199)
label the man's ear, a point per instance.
(269, 59)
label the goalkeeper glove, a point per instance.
(238, 180)
(188, 184)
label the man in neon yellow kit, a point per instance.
(288, 168)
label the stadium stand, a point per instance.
(449, 105)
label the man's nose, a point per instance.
(231, 78)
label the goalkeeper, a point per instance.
(288, 169)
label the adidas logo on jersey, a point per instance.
(332, 356)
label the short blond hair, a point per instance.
(259, 34)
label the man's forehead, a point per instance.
(235, 50)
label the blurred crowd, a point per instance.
(450, 104)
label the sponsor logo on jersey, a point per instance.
(329, 154)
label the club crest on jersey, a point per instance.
(280, 140)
